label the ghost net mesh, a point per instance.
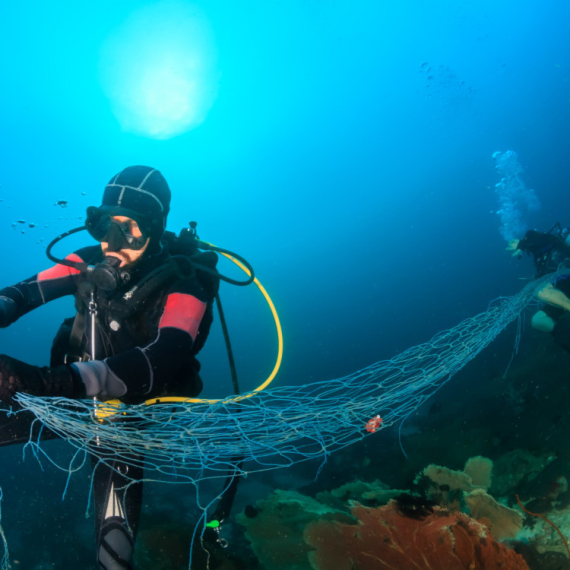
(277, 427)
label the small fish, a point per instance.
(32, 225)
(21, 221)
(62, 203)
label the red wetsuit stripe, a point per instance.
(58, 271)
(183, 312)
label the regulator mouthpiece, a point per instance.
(107, 276)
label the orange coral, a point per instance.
(384, 539)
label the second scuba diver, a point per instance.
(549, 250)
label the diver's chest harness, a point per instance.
(109, 295)
(118, 311)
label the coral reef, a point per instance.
(442, 476)
(502, 521)
(446, 487)
(480, 470)
(289, 531)
(449, 522)
(275, 528)
(370, 494)
(385, 539)
(461, 490)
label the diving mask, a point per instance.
(103, 226)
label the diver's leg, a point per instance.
(561, 331)
(542, 322)
(115, 506)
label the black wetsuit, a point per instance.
(148, 353)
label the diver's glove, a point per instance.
(7, 311)
(17, 376)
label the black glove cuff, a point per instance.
(17, 376)
(62, 381)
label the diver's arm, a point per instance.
(553, 296)
(42, 288)
(142, 373)
(8, 311)
(17, 376)
(135, 375)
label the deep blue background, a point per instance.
(359, 189)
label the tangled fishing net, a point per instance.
(281, 426)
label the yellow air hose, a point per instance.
(168, 399)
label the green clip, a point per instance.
(213, 524)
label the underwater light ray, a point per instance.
(159, 70)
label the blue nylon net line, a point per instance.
(281, 426)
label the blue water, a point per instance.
(345, 149)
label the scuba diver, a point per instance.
(549, 250)
(143, 312)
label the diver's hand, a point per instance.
(513, 246)
(7, 311)
(17, 376)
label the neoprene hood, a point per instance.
(141, 193)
